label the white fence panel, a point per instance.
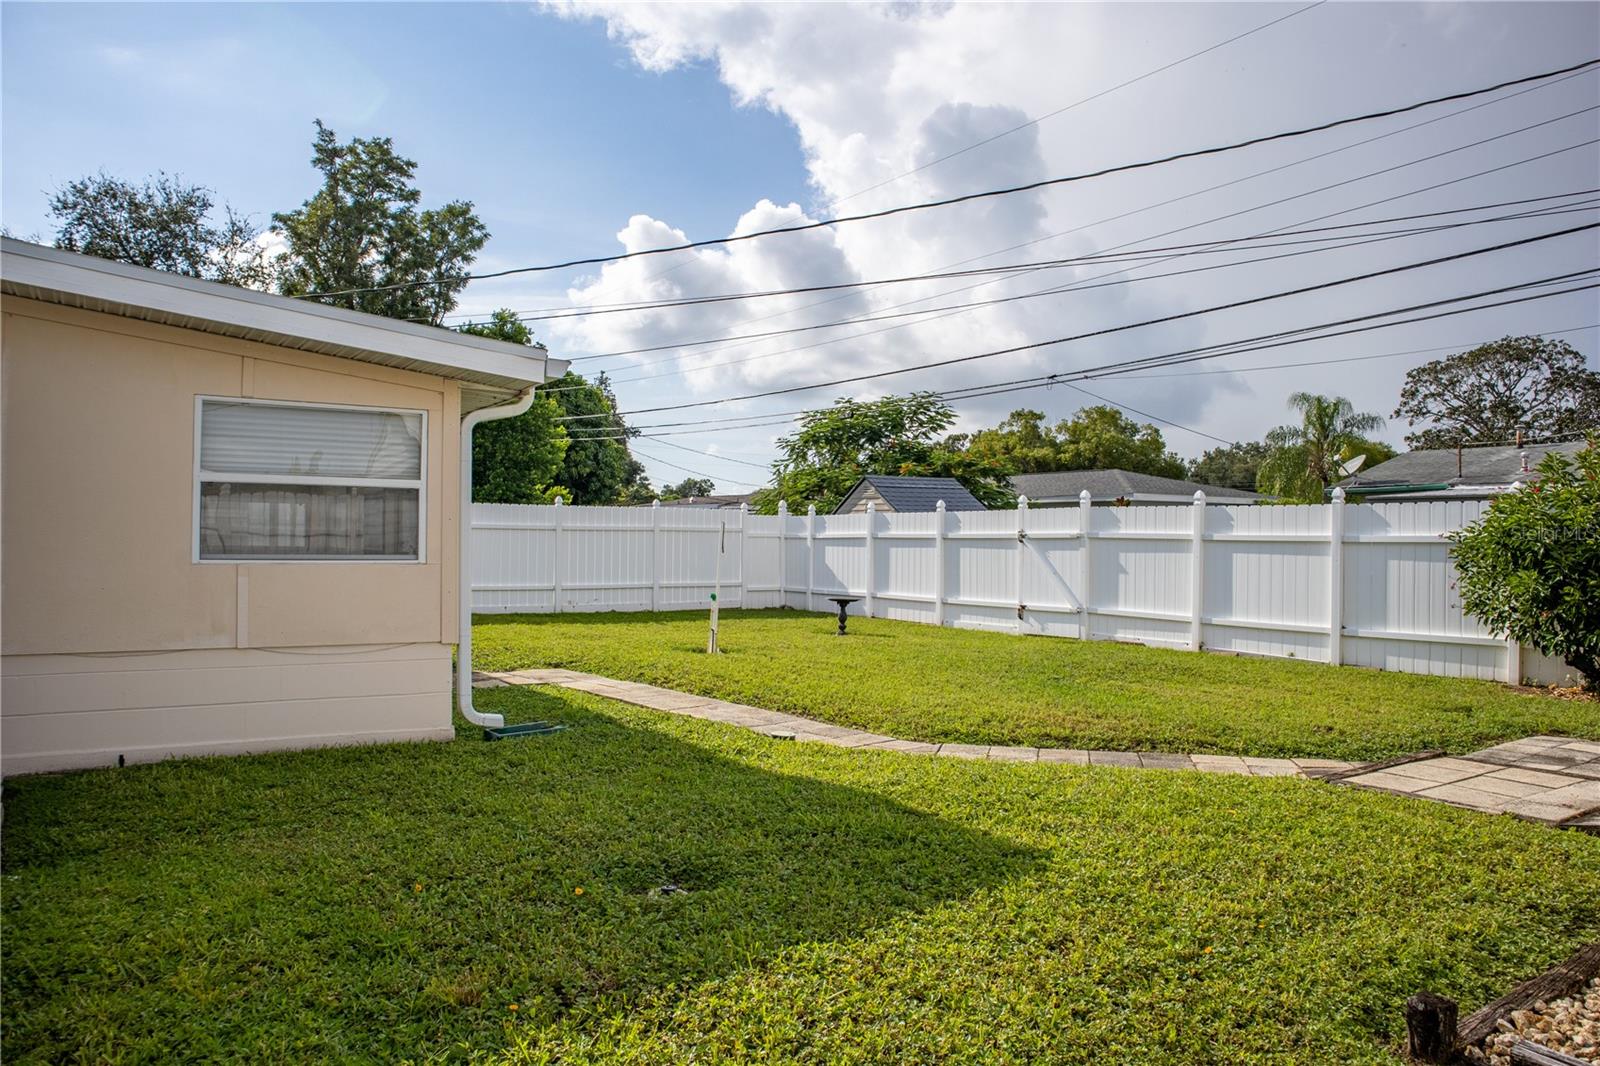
(1365, 584)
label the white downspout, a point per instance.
(464, 554)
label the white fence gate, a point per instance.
(1363, 584)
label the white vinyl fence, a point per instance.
(1362, 584)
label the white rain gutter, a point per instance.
(464, 553)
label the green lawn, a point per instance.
(923, 683)
(396, 902)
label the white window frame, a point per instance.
(420, 483)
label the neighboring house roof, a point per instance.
(1119, 484)
(725, 501)
(915, 493)
(1443, 473)
(489, 370)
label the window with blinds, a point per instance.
(277, 481)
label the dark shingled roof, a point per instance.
(920, 493)
(1111, 484)
(1488, 468)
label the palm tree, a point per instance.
(1305, 458)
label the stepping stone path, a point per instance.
(1551, 780)
(772, 723)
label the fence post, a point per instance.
(655, 556)
(1197, 572)
(811, 556)
(872, 553)
(555, 555)
(783, 553)
(939, 535)
(1336, 578)
(1021, 557)
(744, 549)
(1085, 510)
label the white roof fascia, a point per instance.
(35, 272)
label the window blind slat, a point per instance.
(246, 438)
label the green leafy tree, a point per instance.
(1234, 466)
(598, 466)
(1305, 459)
(1532, 385)
(163, 224)
(1530, 567)
(1103, 438)
(363, 230)
(835, 446)
(689, 486)
(517, 460)
(1021, 444)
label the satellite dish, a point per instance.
(1350, 466)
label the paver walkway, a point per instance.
(1552, 780)
(1555, 780)
(773, 723)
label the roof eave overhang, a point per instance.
(489, 371)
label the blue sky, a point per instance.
(586, 128)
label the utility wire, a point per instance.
(1120, 168)
(1220, 244)
(1076, 103)
(945, 312)
(1348, 242)
(1282, 294)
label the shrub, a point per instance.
(1530, 567)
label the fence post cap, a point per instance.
(1338, 495)
(1199, 497)
(811, 510)
(872, 506)
(744, 508)
(1022, 501)
(558, 501)
(939, 506)
(1084, 498)
(783, 506)
(655, 503)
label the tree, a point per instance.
(835, 446)
(362, 230)
(517, 460)
(1022, 444)
(163, 224)
(1305, 459)
(1487, 395)
(1103, 438)
(598, 466)
(1234, 466)
(689, 486)
(1096, 438)
(1530, 567)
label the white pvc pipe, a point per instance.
(464, 554)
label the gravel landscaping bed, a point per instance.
(1570, 1025)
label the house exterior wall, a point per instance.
(113, 640)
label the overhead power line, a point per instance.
(1282, 294)
(1121, 168)
(1109, 255)
(1075, 104)
(1347, 242)
(1241, 346)
(938, 313)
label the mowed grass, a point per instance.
(501, 901)
(961, 686)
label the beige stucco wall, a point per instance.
(96, 541)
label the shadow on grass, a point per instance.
(388, 902)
